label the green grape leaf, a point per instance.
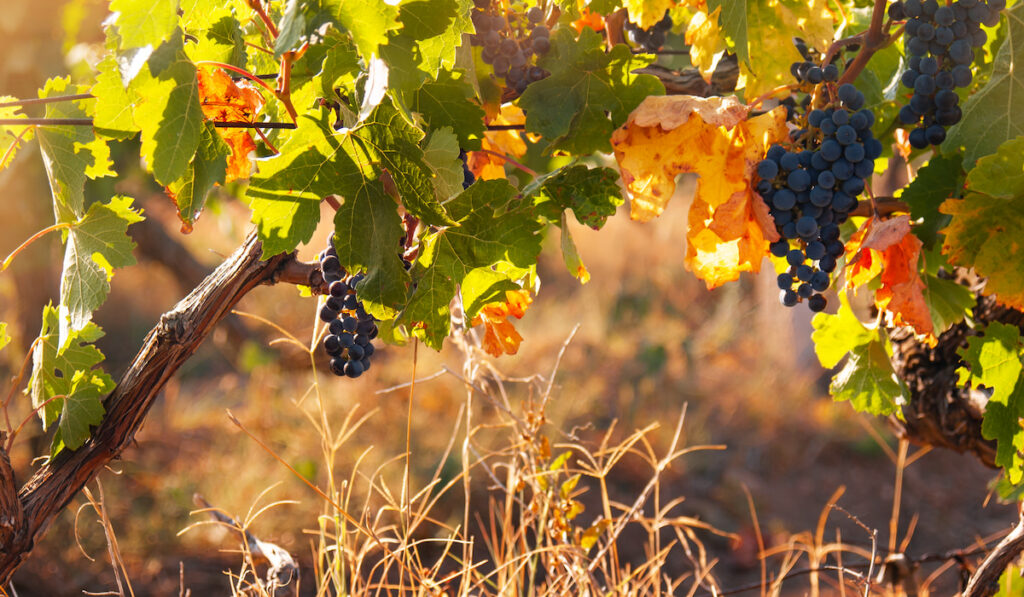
(70, 153)
(589, 93)
(447, 102)
(367, 22)
(12, 137)
(386, 140)
(82, 409)
(1002, 424)
(427, 42)
(868, 381)
(285, 195)
(948, 302)
(570, 254)
(988, 223)
(993, 116)
(366, 230)
(733, 21)
(593, 194)
(66, 371)
(168, 111)
(993, 360)
(208, 168)
(96, 244)
(495, 226)
(316, 161)
(144, 22)
(114, 103)
(937, 181)
(836, 335)
(441, 155)
(221, 40)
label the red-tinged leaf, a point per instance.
(729, 224)
(225, 100)
(888, 250)
(500, 336)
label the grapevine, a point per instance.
(350, 328)
(872, 155)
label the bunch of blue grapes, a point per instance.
(940, 42)
(649, 40)
(811, 186)
(809, 71)
(509, 43)
(351, 328)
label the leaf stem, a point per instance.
(17, 381)
(238, 70)
(512, 161)
(13, 147)
(257, 7)
(874, 40)
(10, 440)
(31, 239)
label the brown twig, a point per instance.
(512, 161)
(985, 580)
(257, 7)
(874, 40)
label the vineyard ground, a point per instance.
(651, 340)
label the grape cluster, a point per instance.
(351, 328)
(940, 42)
(811, 186)
(509, 41)
(650, 40)
(808, 71)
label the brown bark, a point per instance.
(985, 580)
(939, 413)
(168, 345)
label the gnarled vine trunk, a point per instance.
(939, 413)
(25, 514)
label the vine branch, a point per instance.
(985, 580)
(165, 349)
(874, 40)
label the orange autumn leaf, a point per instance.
(889, 250)
(486, 166)
(500, 336)
(224, 100)
(590, 19)
(730, 226)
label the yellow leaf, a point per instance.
(706, 42)
(729, 225)
(592, 534)
(772, 55)
(645, 13)
(486, 166)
